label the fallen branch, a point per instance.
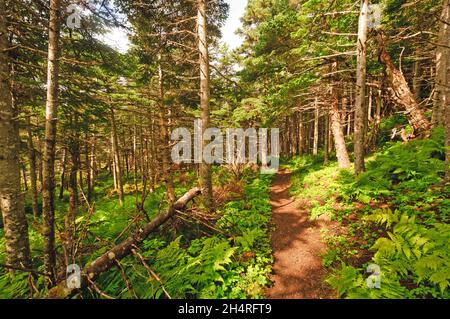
(33, 271)
(109, 259)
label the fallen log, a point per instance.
(109, 259)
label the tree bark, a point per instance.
(316, 128)
(74, 149)
(326, 138)
(33, 176)
(443, 81)
(441, 100)
(63, 174)
(417, 80)
(301, 135)
(336, 127)
(377, 120)
(116, 157)
(11, 200)
(88, 168)
(360, 107)
(166, 171)
(205, 169)
(51, 114)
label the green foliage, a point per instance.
(315, 183)
(411, 167)
(233, 264)
(412, 250)
(413, 255)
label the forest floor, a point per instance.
(298, 272)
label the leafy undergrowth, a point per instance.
(395, 216)
(234, 263)
(230, 259)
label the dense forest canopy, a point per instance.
(352, 98)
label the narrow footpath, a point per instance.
(296, 241)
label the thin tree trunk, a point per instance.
(93, 165)
(73, 197)
(444, 97)
(63, 174)
(166, 171)
(441, 100)
(336, 126)
(33, 177)
(40, 163)
(316, 128)
(301, 135)
(25, 179)
(417, 80)
(205, 169)
(88, 168)
(360, 107)
(113, 162)
(134, 151)
(116, 157)
(377, 120)
(326, 141)
(11, 201)
(48, 189)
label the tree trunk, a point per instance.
(93, 165)
(360, 107)
(441, 100)
(377, 120)
(113, 162)
(402, 94)
(88, 168)
(417, 80)
(443, 76)
(63, 174)
(33, 176)
(336, 127)
(205, 169)
(301, 135)
(11, 201)
(326, 139)
(316, 128)
(40, 163)
(116, 157)
(74, 148)
(166, 171)
(25, 179)
(51, 109)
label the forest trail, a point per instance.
(296, 241)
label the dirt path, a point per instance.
(297, 245)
